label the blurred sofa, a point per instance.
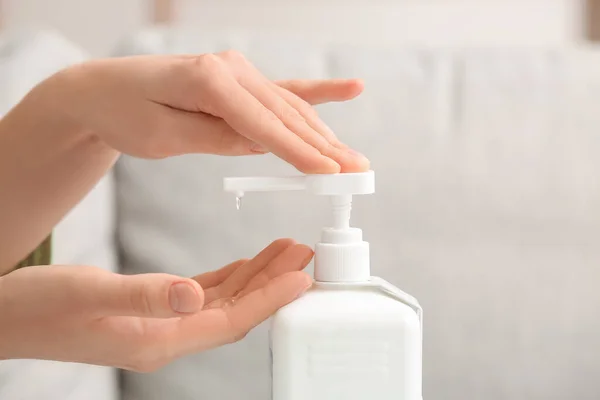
(486, 209)
(84, 236)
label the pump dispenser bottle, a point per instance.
(352, 336)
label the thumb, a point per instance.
(151, 295)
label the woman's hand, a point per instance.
(160, 106)
(142, 322)
(59, 141)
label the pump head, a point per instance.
(342, 255)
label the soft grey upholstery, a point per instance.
(487, 210)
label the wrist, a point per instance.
(52, 108)
(45, 154)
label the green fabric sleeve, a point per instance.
(42, 255)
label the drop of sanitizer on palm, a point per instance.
(352, 336)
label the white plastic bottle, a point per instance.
(352, 336)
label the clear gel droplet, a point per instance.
(238, 202)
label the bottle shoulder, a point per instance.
(366, 305)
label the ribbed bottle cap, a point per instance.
(342, 256)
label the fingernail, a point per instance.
(184, 298)
(257, 148)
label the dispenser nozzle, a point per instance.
(326, 185)
(341, 255)
(264, 184)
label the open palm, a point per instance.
(98, 317)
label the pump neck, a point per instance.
(342, 255)
(341, 208)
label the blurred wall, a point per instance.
(98, 24)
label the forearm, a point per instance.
(47, 165)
